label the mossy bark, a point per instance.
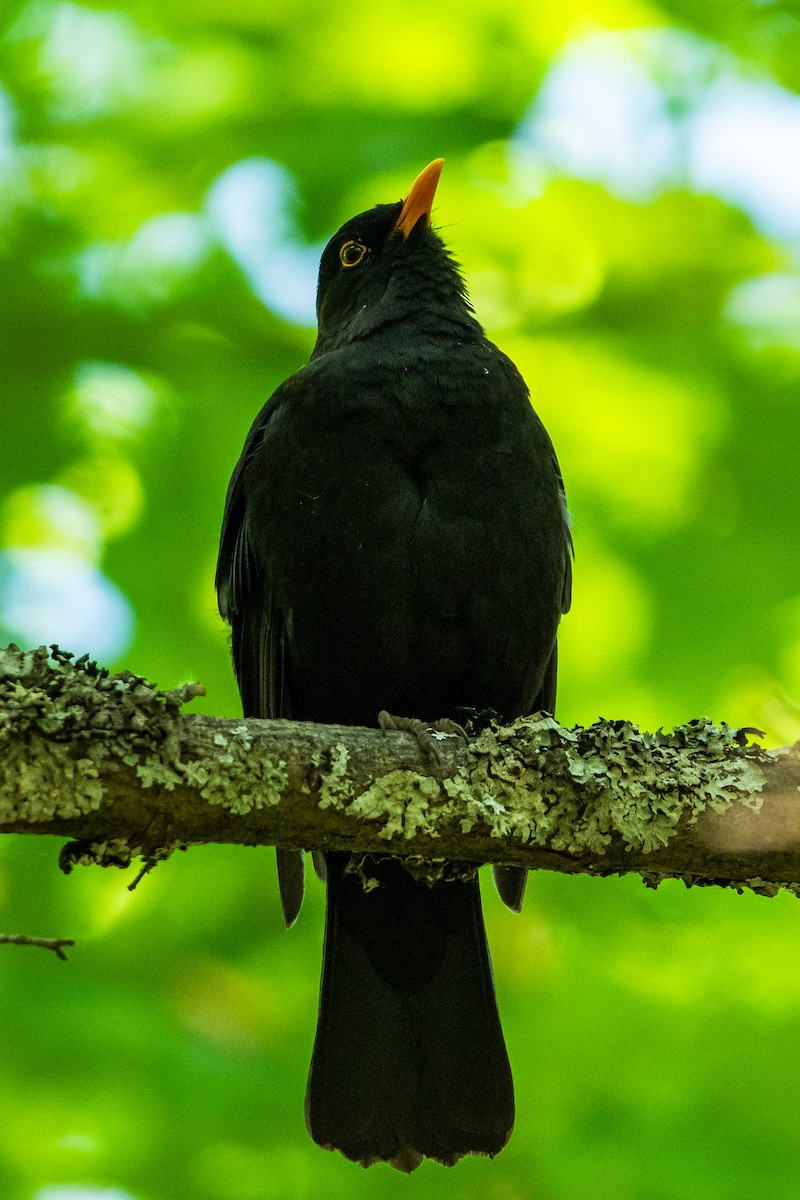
(114, 763)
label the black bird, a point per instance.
(395, 538)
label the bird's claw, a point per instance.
(426, 733)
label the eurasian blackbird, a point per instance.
(395, 538)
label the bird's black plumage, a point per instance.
(395, 537)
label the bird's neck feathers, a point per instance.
(424, 293)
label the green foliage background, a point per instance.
(655, 1036)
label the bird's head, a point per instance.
(386, 265)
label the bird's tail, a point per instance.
(409, 1059)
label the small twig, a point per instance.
(146, 869)
(54, 944)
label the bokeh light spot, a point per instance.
(111, 487)
(110, 401)
(765, 310)
(251, 205)
(151, 267)
(92, 61)
(50, 516)
(56, 596)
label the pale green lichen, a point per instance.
(401, 801)
(113, 852)
(331, 767)
(577, 790)
(572, 791)
(237, 779)
(51, 780)
(155, 772)
(61, 720)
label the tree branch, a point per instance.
(21, 939)
(112, 762)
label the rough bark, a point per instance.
(113, 763)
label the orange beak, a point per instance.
(419, 201)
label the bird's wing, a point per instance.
(258, 649)
(245, 596)
(569, 553)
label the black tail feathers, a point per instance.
(409, 1060)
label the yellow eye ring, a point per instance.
(352, 253)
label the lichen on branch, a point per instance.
(112, 761)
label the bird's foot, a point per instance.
(428, 734)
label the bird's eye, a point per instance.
(351, 254)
